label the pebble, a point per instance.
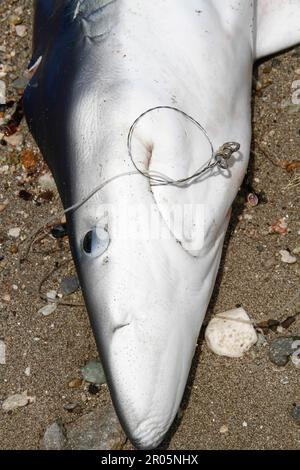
(69, 285)
(296, 251)
(224, 429)
(14, 19)
(94, 389)
(286, 257)
(93, 372)
(3, 207)
(295, 358)
(54, 437)
(2, 92)
(51, 296)
(21, 30)
(70, 407)
(284, 381)
(59, 231)
(281, 349)
(261, 340)
(17, 401)
(230, 333)
(27, 371)
(46, 181)
(14, 232)
(20, 83)
(279, 226)
(2, 352)
(48, 309)
(75, 383)
(15, 140)
(296, 413)
(98, 430)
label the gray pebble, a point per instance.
(20, 83)
(70, 406)
(69, 285)
(281, 349)
(98, 430)
(54, 437)
(93, 372)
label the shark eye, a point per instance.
(95, 242)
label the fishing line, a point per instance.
(217, 159)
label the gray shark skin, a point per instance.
(103, 63)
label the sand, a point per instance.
(249, 398)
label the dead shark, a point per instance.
(99, 65)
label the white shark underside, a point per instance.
(103, 64)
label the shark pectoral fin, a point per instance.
(277, 26)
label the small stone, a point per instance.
(2, 92)
(224, 429)
(2, 207)
(29, 160)
(21, 30)
(59, 231)
(295, 357)
(94, 389)
(14, 232)
(15, 140)
(70, 407)
(51, 296)
(98, 430)
(14, 19)
(284, 381)
(69, 285)
(20, 83)
(261, 340)
(230, 333)
(296, 251)
(17, 401)
(93, 372)
(296, 413)
(27, 371)
(245, 424)
(75, 383)
(48, 309)
(287, 258)
(279, 226)
(267, 68)
(281, 349)
(288, 322)
(54, 438)
(46, 181)
(2, 352)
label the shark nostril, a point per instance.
(119, 327)
(95, 242)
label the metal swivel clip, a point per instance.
(225, 152)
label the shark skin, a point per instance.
(102, 64)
